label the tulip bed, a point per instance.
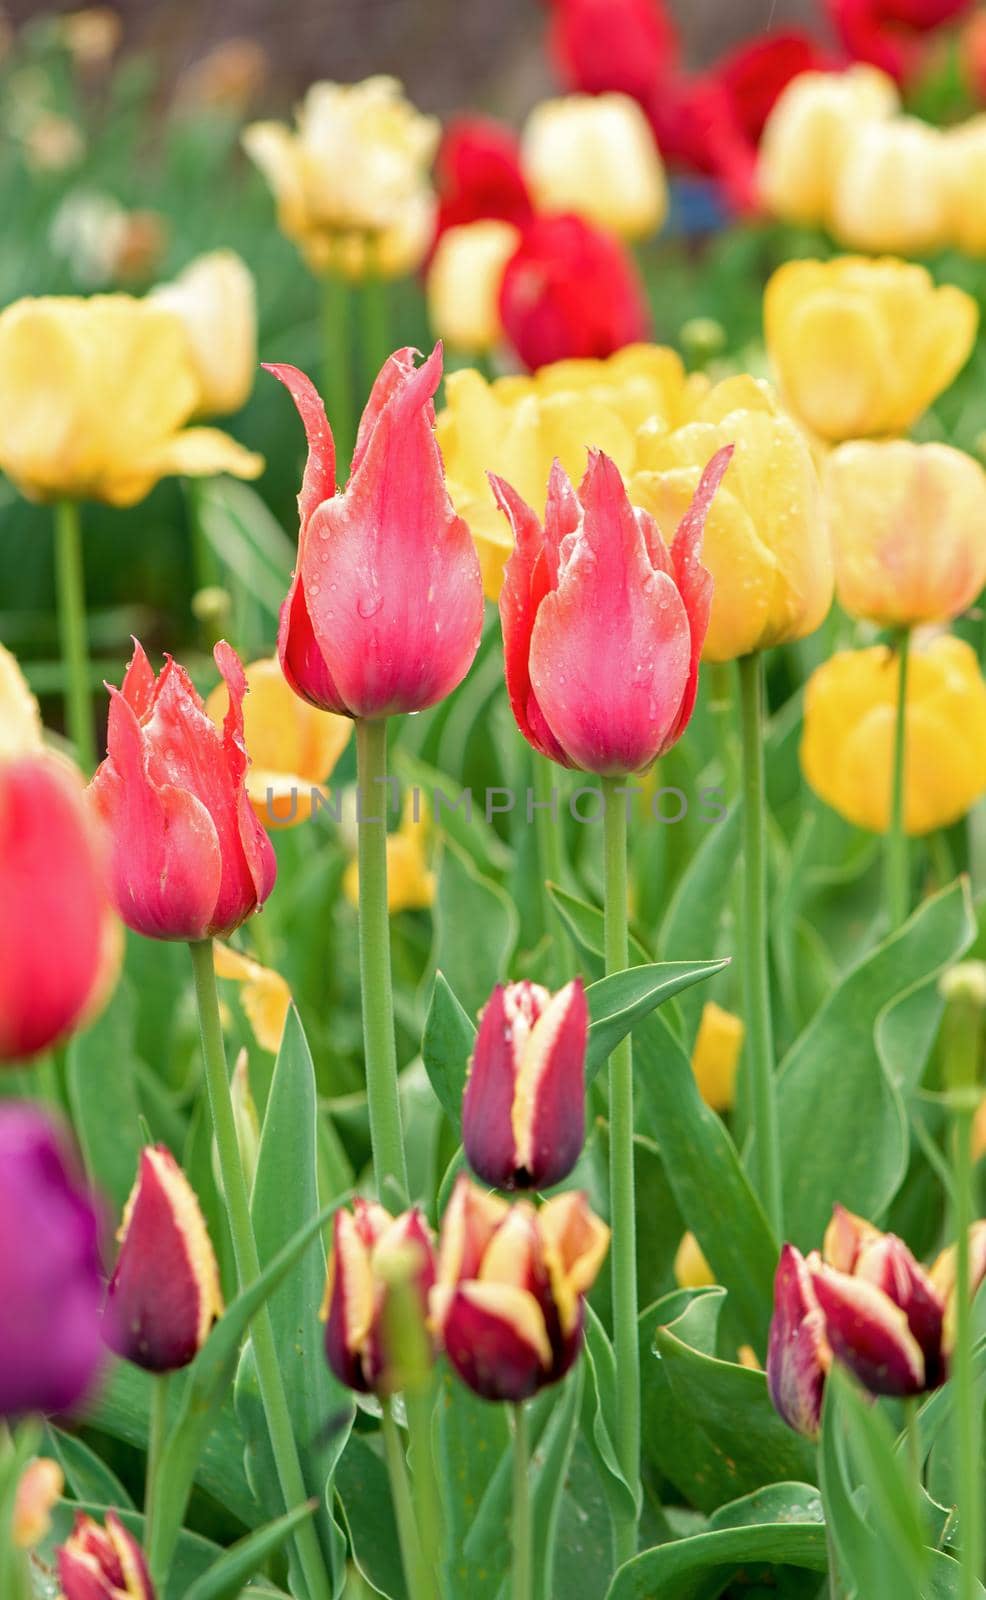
(493, 983)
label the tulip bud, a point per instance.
(523, 1110)
(464, 284)
(479, 175)
(884, 1320)
(716, 1055)
(369, 1249)
(164, 1294)
(798, 1352)
(215, 301)
(50, 1271)
(385, 609)
(508, 1303)
(595, 155)
(597, 45)
(809, 135)
(965, 177)
(38, 1492)
(103, 1563)
(189, 858)
(891, 193)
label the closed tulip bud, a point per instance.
(810, 133)
(464, 284)
(908, 525)
(508, 1303)
(768, 552)
(103, 1563)
(603, 624)
(864, 347)
(891, 192)
(370, 1250)
(595, 155)
(599, 45)
(479, 174)
(51, 1349)
(523, 1110)
(385, 609)
(164, 1294)
(716, 1055)
(215, 301)
(965, 177)
(94, 396)
(189, 858)
(798, 1351)
(848, 738)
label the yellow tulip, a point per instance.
(351, 180)
(39, 1489)
(861, 347)
(94, 395)
(293, 747)
(464, 284)
(891, 192)
(965, 176)
(20, 719)
(691, 1270)
(715, 1057)
(808, 136)
(908, 528)
(410, 881)
(766, 542)
(265, 996)
(848, 739)
(595, 155)
(215, 300)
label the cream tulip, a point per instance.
(595, 155)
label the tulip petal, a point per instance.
(349, 1302)
(257, 849)
(693, 579)
(495, 1338)
(548, 1114)
(193, 453)
(869, 1334)
(139, 685)
(575, 1244)
(889, 1265)
(319, 481)
(845, 1236)
(471, 1219)
(798, 1353)
(487, 1101)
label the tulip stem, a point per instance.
(157, 1428)
(272, 1393)
(756, 949)
(338, 379)
(621, 1172)
(550, 861)
(523, 1566)
(71, 594)
(897, 860)
(375, 325)
(380, 1050)
(412, 1559)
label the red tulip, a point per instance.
(523, 1110)
(164, 1294)
(603, 625)
(754, 73)
(598, 45)
(385, 609)
(59, 938)
(891, 33)
(103, 1563)
(571, 290)
(798, 1352)
(365, 1242)
(479, 174)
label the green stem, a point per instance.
(71, 594)
(400, 1492)
(380, 1050)
(550, 861)
(967, 1421)
(157, 1429)
(419, 1405)
(15, 1453)
(896, 856)
(721, 701)
(913, 1433)
(835, 1590)
(272, 1393)
(621, 1173)
(523, 1563)
(375, 319)
(338, 367)
(756, 950)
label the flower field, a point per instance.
(493, 817)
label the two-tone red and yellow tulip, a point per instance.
(103, 1563)
(603, 623)
(523, 1109)
(509, 1300)
(371, 1250)
(385, 609)
(189, 859)
(164, 1295)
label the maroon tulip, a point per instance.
(523, 1110)
(598, 45)
(367, 1245)
(798, 1353)
(164, 1294)
(51, 1282)
(103, 1563)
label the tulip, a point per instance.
(368, 1247)
(603, 624)
(50, 1274)
(39, 1489)
(891, 192)
(103, 1563)
(847, 743)
(265, 995)
(94, 395)
(891, 33)
(523, 1109)
(599, 45)
(508, 1302)
(716, 1054)
(570, 290)
(164, 1294)
(809, 135)
(293, 747)
(595, 155)
(464, 284)
(479, 175)
(864, 347)
(798, 1352)
(189, 858)
(965, 177)
(943, 1275)
(768, 553)
(908, 526)
(215, 300)
(385, 609)
(691, 1269)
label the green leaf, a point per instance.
(363, 1491)
(102, 1087)
(476, 928)
(446, 1047)
(224, 1580)
(550, 1468)
(600, 1399)
(619, 1002)
(835, 1082)
(692, 923)
(700, 1568)
(86, 1475)
(248, 540)
(586, 924)
(473, 1440)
